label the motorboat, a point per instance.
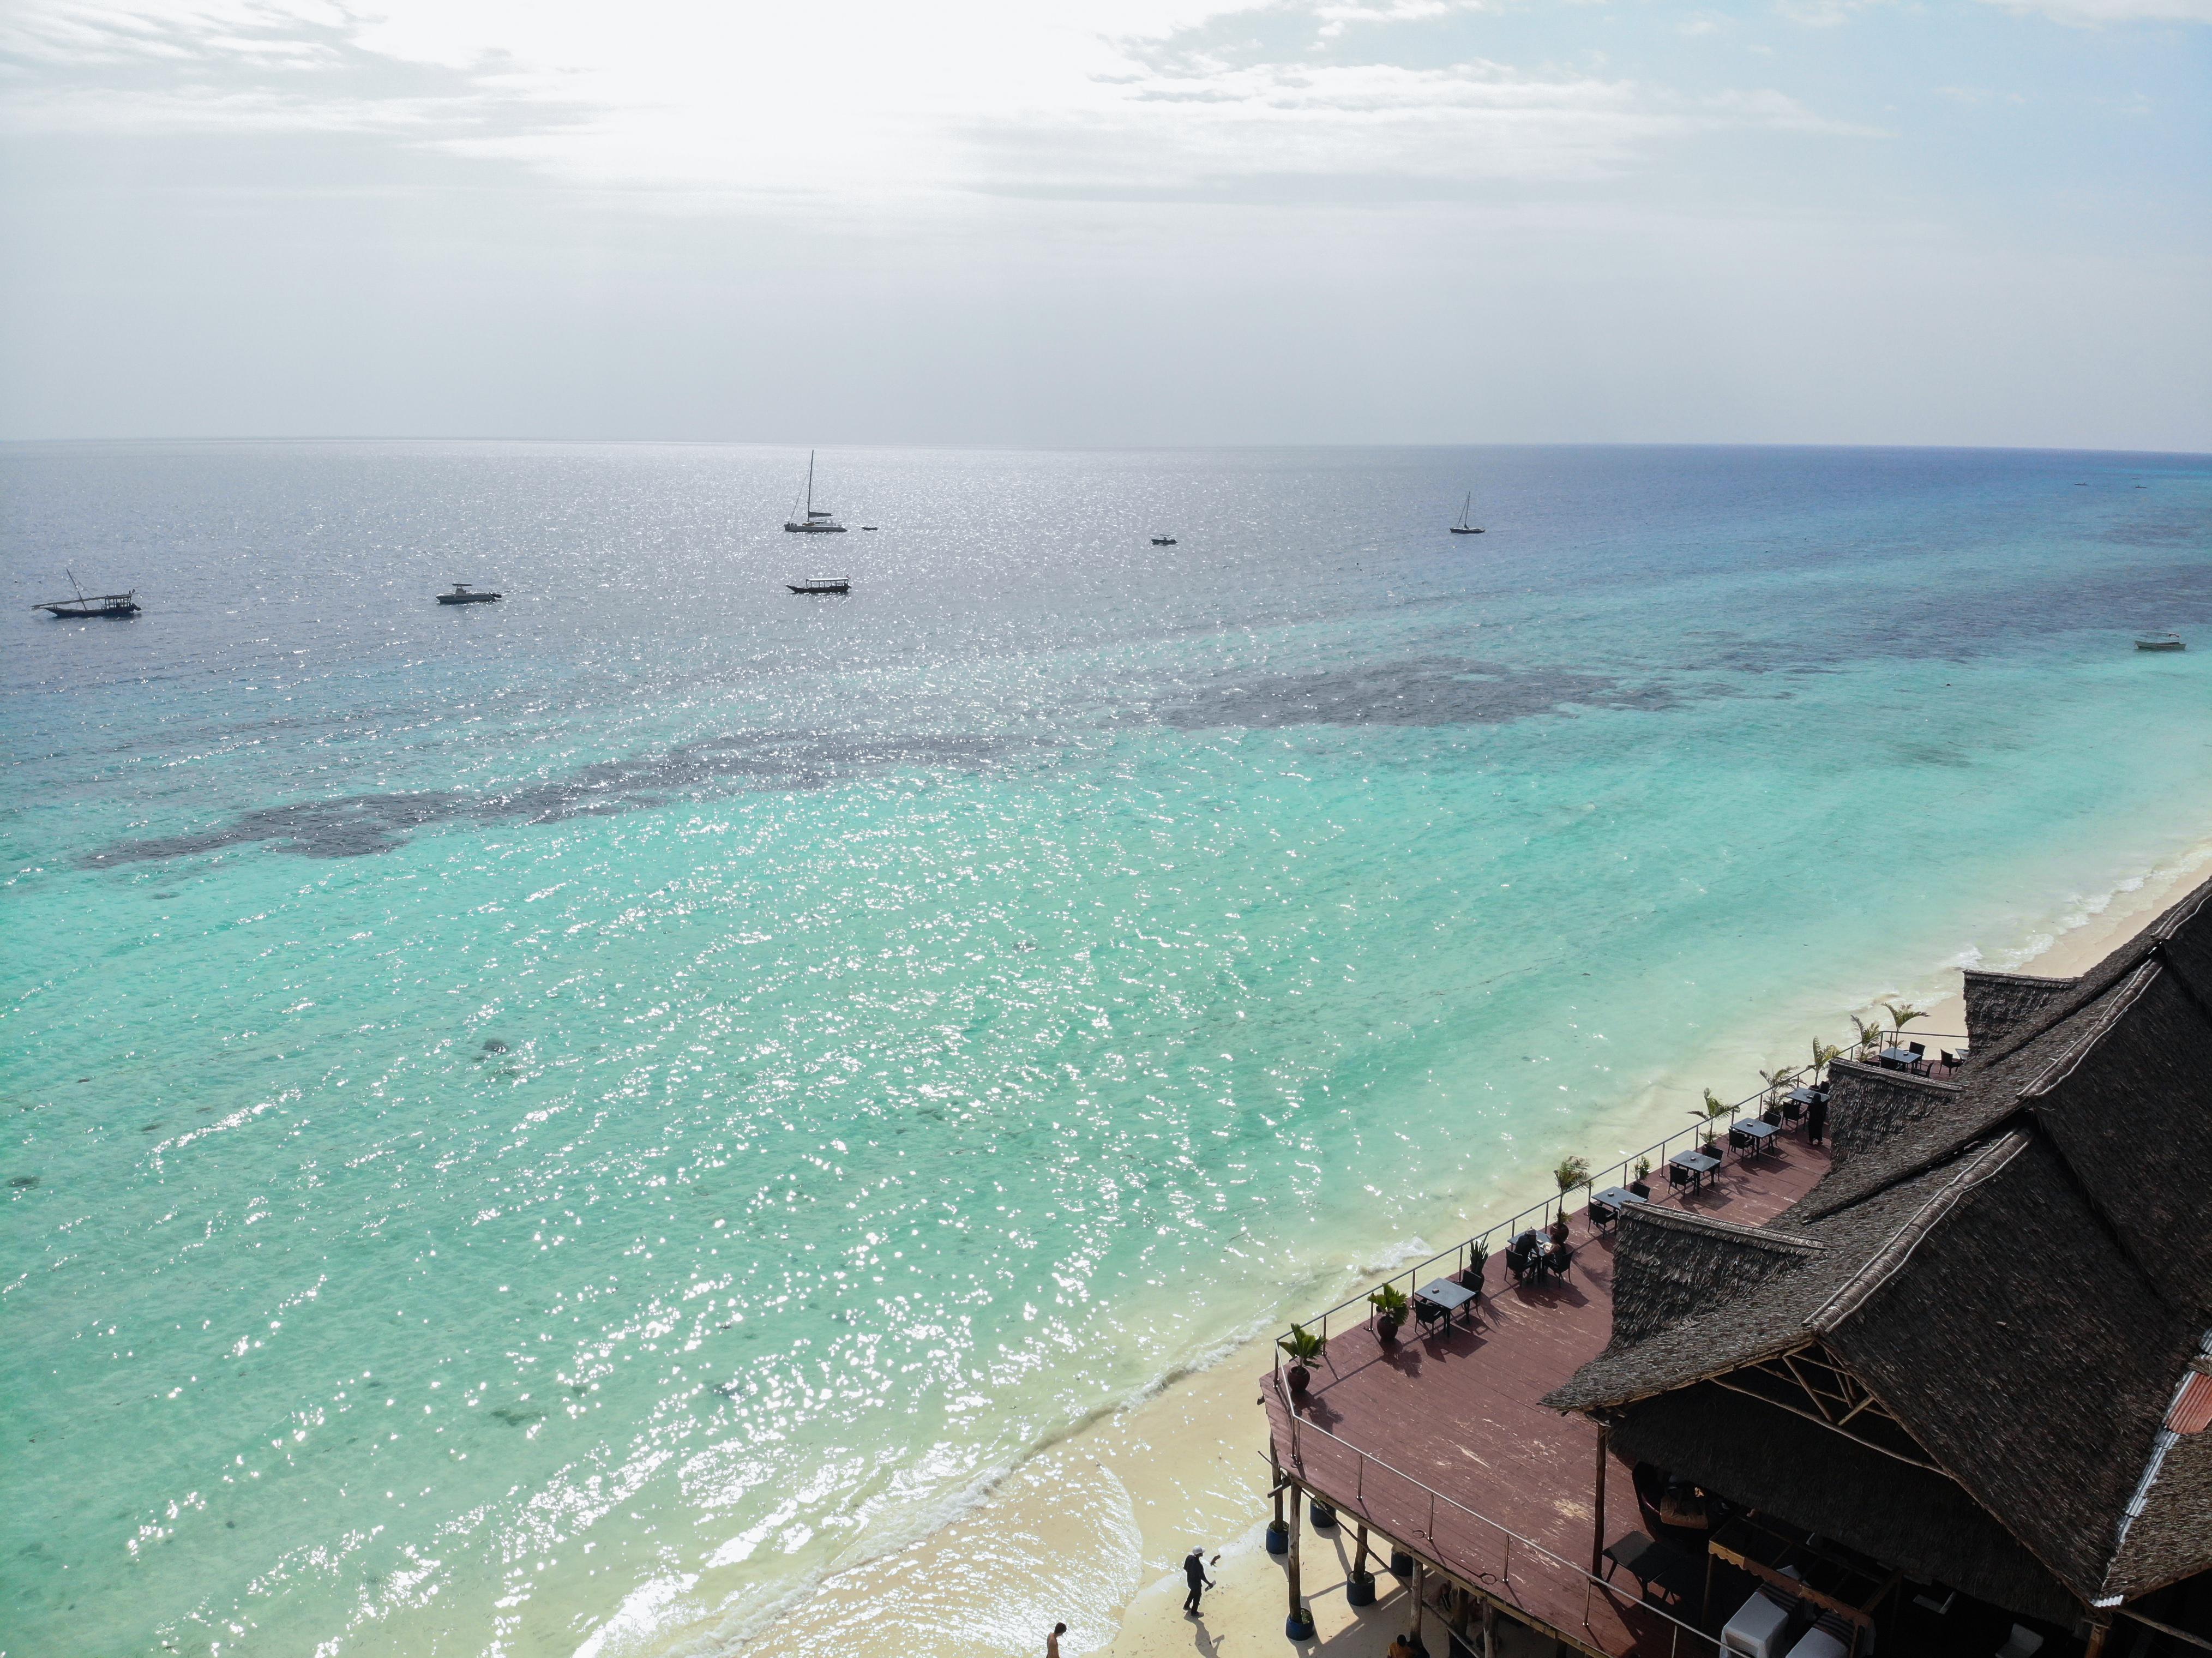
(1163, 541)
(2160, 642)
(462, 593)
(822, 584)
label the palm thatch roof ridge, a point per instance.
(1998, 1004)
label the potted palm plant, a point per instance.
(1571, 1172)
(1713, 1108)
(1390, 1307)
(1902, 1014)
(1302, 1347)
(1477, 1257)
(1824, 1055)
(1870, 1035)
(1770, 1105)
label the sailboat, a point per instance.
(1463, 528)
(821, 523)
(88, 605)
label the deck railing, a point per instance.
(1507, 1548)
(1712, 1132)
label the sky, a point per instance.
(1120, 222)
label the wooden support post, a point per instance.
(1489, 1628)
(2097, 1634)
(1597, 1523)
(1297, 1599)
(1414, 1604)
(1275, 1467)
(1359, 1554)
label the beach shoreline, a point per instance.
(1091, 1529)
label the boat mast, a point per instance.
(810, 484)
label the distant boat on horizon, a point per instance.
(462, 593)
(1163, 541)
(821, 523)
(822, 584)
(90, 605)
(2160, 642)
(1466, 512)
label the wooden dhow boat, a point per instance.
(822, 584)
(90, 605)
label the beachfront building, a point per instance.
(1940, 1388)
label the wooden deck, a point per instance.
(1458, 1414)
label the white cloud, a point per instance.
(846, 100)
(2089, 13)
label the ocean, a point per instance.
(545, 1127)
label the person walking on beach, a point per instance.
(1193, 1571)
(1052, 1641)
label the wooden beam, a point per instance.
(1856, 1439)
(2167, 1629)
(1597, 1518)
(1297, 1600)
(1766, 1574)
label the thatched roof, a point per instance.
(2017, 1267)
(1998, 1004)
(1868, 1106)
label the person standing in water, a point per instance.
(1052, 1641)
(1194, 1572)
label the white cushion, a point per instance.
(1757, 1629)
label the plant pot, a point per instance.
(1360, 1590)
(1323, 1516)
(1279, 1538)
(1386, 1331)
(1401, 1563)
(1298, 1376)
(1299, 1626)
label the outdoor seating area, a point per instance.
(1381, 1433)
(1915, 1058)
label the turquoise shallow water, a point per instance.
(663, 1082)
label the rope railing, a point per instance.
(1707, 1134)
(1510, 1539)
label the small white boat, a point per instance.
(2160, 642)
(821, 522)
(1466, 512)
(465, 594)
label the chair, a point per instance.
(1919, 1052)
(2020, 1642)
(1677, 1175)
(1951, 1061)
(1426, 1313)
